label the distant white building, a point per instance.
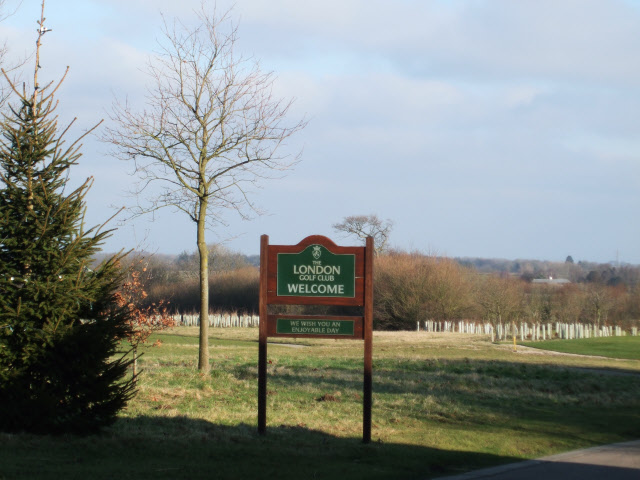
(551, 281)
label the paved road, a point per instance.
(620, 461)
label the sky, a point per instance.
(481, 128)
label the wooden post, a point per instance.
(262, 349)
(368, 342)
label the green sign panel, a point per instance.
(314, 327)
(316, 272)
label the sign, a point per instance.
(316, 272)
(314, 326)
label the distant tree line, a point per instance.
(580, 272)
(412, 287)
(233, 278)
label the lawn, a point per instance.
(612, 347)
(442, 404)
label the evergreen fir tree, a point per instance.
(60, 323)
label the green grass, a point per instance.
(443, 404)
(612, 347)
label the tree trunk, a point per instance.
(203, 356)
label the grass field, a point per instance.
(443, 404)
(612, 347)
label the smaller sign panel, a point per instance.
(295, 326)
(316, 272)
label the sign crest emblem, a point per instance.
(316, 252)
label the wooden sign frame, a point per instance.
(316, 283)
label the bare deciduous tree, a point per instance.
(363, 226)
(500, 300)
(599, 301)
(210, 130)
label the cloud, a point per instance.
(574, 40)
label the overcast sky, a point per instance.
(481, 128)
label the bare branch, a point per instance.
(210, 118)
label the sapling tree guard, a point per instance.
(210, 130)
